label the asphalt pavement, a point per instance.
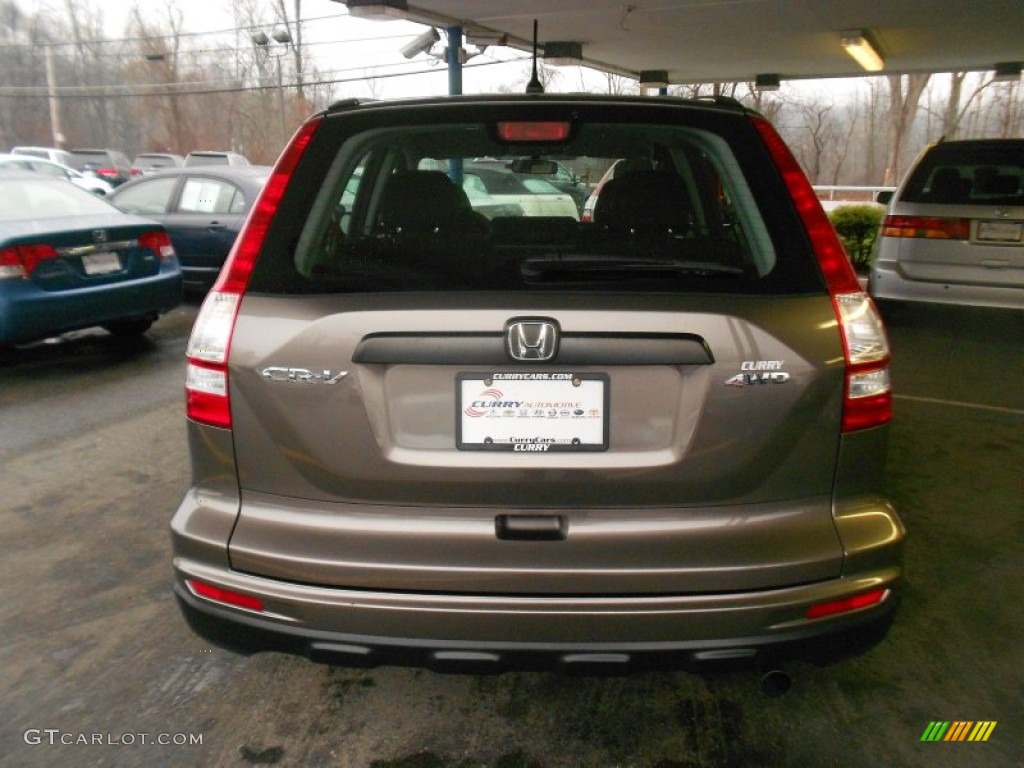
(97, 667)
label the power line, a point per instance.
(185, 89)
(148, 38)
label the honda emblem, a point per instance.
(531, 339)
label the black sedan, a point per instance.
(203, 209)
(70, 260)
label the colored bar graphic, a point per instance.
(982, 731)
(958, 730)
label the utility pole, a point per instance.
(51, 88)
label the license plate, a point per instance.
(1000, 231)
(532, 412)
(101, 263)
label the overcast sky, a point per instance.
(363, 56)
(364, 53)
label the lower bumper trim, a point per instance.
(248, 634)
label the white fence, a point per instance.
(832, 196)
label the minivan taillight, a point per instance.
(928, 227)
(207, 395)
(867, 395)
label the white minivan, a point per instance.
(954, 230)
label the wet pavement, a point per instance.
(98, 668)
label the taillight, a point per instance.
(208, 399)
(847, 604)
(867, 400)
(929, 227)
(159, 243)
(206, 379)
(867, 396)
(109, 173)
(21, 260)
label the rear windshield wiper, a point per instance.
(562, 266)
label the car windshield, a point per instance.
(45, 199)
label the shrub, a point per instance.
(857, 226)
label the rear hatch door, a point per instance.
(706, 446)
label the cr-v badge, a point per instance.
(276, 373)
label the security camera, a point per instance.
(421, 43)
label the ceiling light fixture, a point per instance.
(563, 53)
(767, 82)
(377, 10)
(654, 78)
(858, 44)
(1008, 71)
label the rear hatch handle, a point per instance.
(531, 527)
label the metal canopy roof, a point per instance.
(735, 40)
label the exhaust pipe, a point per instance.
(776, 682)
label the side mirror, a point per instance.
(883, 197)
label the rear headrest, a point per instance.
(1002, 184)
(644, 202)
(949, 186)
(419, 202)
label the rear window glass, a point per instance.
(983, 173)
(50, 199)
(453, 207)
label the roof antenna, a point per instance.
(534, 86)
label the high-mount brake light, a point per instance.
(22, 260)
(867, 396)
(534, 131)
(928, 227)
(208, 398)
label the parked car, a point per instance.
(202, 209)
(420, 435)
(528, 169)
(53, 154)
(151, 162)
(215, 157)
(92, 184)
(108, 164)
(534, 196)
(954, 230)
(70, 260)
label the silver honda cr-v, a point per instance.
(439, 429)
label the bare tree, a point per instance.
(618, 85)
(1009, 109)
(167, 126)
(904, 97)
(818, 134)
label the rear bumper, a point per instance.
(28, 313)
(363, 628)
(888, 283)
